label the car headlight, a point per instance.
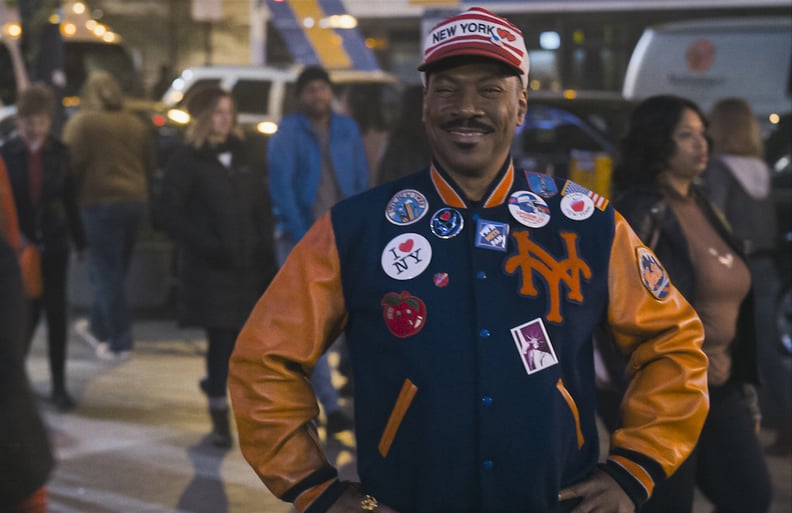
(267, 127)
(178, 116)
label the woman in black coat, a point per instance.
(215, 205)
(25, 456)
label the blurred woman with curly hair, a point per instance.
(663, 156)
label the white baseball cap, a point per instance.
(476, 32)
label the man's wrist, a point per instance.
(635, 473)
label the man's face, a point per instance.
(33, 129)
(470, 113)
(316, 99)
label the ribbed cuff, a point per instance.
(635, 473)
(320, 476)
(328, 497)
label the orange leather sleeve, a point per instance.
(667, 401)
(9, 223)
(292, 324)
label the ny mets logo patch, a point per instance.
(533, 260)
(653, 276)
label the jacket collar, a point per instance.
(17, 145)
(454, 197)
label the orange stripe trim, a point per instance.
(306, 498)
(637, 471)
(446, 192)
(500, 192)
(403, 402)
(9, 222)
(575, 413)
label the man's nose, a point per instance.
(468, 102)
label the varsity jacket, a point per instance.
(444, 303)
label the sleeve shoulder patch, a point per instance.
(653, 275)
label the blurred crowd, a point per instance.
(234, 219)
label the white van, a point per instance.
(264, 94)
(705, 60)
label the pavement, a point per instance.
(137, 441)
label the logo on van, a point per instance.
(700, 55)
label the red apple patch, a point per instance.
(578, 206)
(404, 314)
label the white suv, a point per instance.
(264, 95)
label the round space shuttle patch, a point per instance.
(406, 207)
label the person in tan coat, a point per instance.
(112, 155)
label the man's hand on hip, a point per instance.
(352, 501)
(600, 493)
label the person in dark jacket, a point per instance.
(26, 459)
(48, 214)
(663, 155)
(739, 182)
(215, 205)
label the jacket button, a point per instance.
(484, 333)
(486, 400)
(481, 275)
(488, 464)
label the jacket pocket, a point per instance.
(573, 408)
(403, 402)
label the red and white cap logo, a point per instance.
(477, 32)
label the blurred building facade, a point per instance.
(574, 44)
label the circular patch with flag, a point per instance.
(653, 275)
(577, 206)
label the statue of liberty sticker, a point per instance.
(534, 346)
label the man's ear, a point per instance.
(424, 102)
(523, 106)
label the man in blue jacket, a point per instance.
(316, 159)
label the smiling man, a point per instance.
(440, 281)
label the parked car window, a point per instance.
(556, 132)
(252, 96)
(7, 79)
(290, 103)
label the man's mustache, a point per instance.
(466, 123)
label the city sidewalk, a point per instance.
(136, 443)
